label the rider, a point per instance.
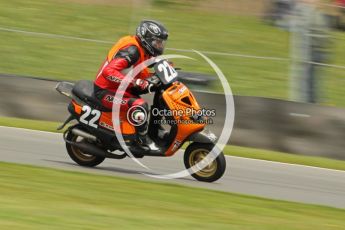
(126, 54)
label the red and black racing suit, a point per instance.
(127, 53)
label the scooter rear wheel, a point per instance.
(195, 153)
(79, 156)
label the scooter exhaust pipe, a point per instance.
(96, 151)
(84, 134)
(91, 148)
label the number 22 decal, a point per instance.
(88, 111)
(169, 72)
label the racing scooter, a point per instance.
(93, 137)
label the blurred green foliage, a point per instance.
(190, 28)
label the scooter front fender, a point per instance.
(204, 136)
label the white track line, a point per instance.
(236, 157)
(289, 164)
(181, 50)
(53, 35)
(234, 55)
(110, 42)
(30, 130)
(332, 5)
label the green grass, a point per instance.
(39, 198)
(58, 58)
(48, 126)
(229, 150)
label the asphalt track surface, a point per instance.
(246, 176)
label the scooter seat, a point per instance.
(84, 90)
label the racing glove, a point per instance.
(141, 84)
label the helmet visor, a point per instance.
(158, 44)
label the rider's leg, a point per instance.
(138, 111)
(105, 96)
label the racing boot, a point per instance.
(148, 144)
(145, 142)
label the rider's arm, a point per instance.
(123, 59)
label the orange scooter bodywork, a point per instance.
(106, 120)
(178, 98)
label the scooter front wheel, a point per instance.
(195, 153)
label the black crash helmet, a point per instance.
(153, 36)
